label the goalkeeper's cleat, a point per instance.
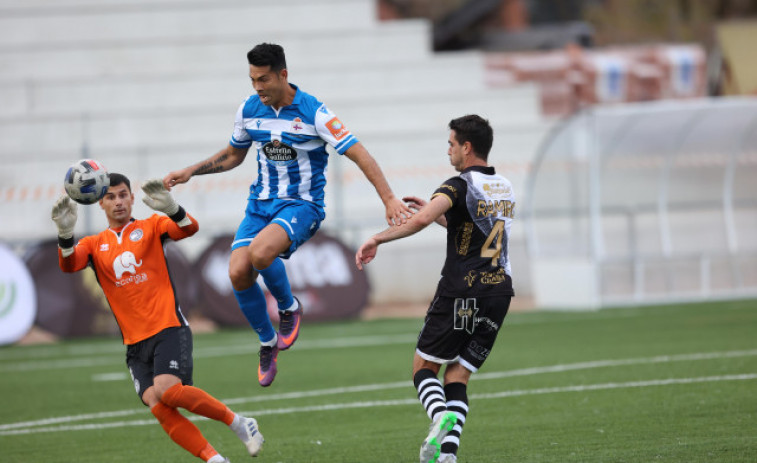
(253, 439)
(432, 446)
(267, 365)
(447, 458)
(289, 326)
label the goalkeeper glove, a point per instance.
(64, 216)
(158, 198)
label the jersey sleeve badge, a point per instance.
(336, 128)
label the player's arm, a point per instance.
(428, 214)
(226, 159)
(70, 258)
(396, 211)
(158, 198)
(415, 203)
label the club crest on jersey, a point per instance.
(279, 153)
(136, 235)
(337, 129)
(297, 124)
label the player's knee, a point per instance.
(150, 397)
(241, 276)
(262, 256)
(162, 384)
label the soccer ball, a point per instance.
(86, 181)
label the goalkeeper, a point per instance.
(131, 268)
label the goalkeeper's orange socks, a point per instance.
(197, 401)
(183, 432)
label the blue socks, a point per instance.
(275, 278)
(252, 303)
(252, 300)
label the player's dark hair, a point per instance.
(117, 179)
(267, 54)
(476, 130)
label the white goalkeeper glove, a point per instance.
(158, 198)
(64, 216)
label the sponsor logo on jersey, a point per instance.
(464, 237)
(104, 247)
(173, 364)
(279, 153)
(496, 189)
(337, 129)
(493, 278)
(136, 235)
(126, 262)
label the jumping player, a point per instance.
(131, 268)
(475, 289)
(289, 130)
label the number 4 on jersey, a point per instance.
(492, 247)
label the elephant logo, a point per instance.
(126, 262)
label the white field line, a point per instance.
(86, 349)
(389, 403)
(5, 428)
(211, 352)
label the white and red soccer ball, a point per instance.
(86, 181)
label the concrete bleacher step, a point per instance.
(120, 129)
(115, 22)
(76, 96)
(400, 42)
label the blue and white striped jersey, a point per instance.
(291, 146)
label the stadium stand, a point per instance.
(147, 87)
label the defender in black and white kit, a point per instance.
(475, 288)
(474, 292)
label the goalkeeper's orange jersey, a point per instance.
(131, 268)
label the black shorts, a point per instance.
(461, 329)
(168, 352)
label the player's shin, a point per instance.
(252, 303)
(277, 282)
(197, 401)
(457, 402)
(430, 392)
(183, 432)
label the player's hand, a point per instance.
(415, 203)
(176, 177)
(64, 216)
(397, 212)
(158, 198)
(366, 253)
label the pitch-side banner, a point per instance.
(322, 275)
(18, 301)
